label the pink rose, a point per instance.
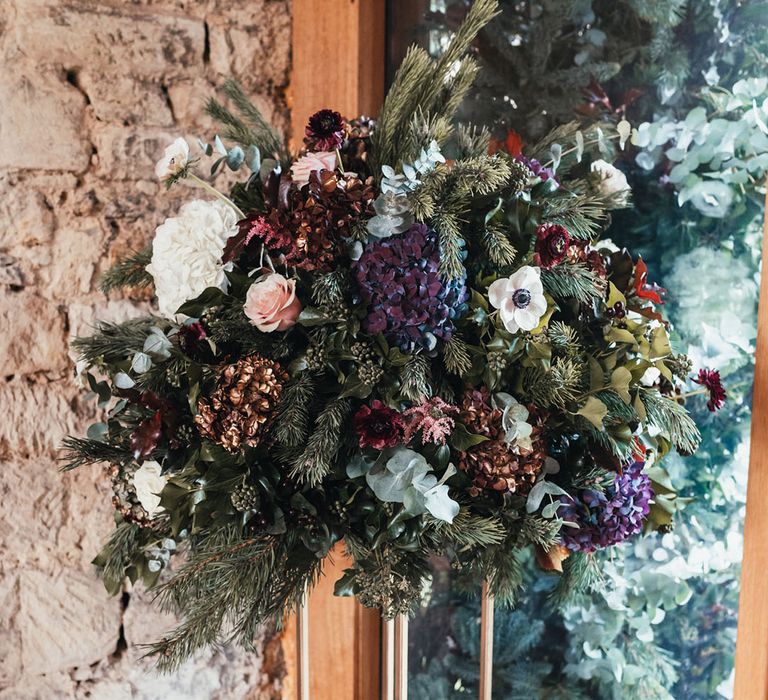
(271, 303)
(301, 169)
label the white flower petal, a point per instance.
(498, 291)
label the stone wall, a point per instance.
(90, 92)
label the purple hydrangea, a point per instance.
(407, 300)
(537, 168)
(605, 519)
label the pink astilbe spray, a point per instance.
(433, 418)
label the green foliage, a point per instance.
(248, 129)
(317, 459)
(230, 586)
(575, 281)
(128, 272)
(80, 452)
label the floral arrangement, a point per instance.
(406, 338)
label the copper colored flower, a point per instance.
(551, 248)
(710, 379)
(378, 426)
(241, 408)
(325, 130)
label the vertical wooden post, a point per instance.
(338, 59)
(752, 641)
(394, 671)
(337, 63)
(486, 644)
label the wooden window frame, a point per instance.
(339, 62)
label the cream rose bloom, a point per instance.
(149, 482)
(612, 180)
(174, 160)
(271, 303)
(186, 253)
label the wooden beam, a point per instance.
(752, 640)
(338, 59)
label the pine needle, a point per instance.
(129, 271)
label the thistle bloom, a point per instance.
(606, 518)
(174, 160)
(710, 380)
(325, 130)
(551, 248)
(378, 426)
(520, 299)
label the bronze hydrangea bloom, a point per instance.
(493, 464)
(239, 411)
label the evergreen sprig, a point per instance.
(115, 342)
(80, 452)
(573, 281)
(672, 418)
(229, 587)
(129, 271)
(456, 355)
(317, 460)
(248, 129)
(293, 412)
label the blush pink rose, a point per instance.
(304, 166)
(271, 303)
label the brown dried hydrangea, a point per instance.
(241, 408)
(494, 464)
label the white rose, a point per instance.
(186, 253)
(148, 483)
(174, 160)
(612, 180)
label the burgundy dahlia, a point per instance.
(551, 248)
(378, 426)
(710, 380)
(325, 130)
(610, 517)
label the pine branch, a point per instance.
(456, 356)
(534, 529)
(472, 141)
(230, 586)
(293, 412)
(117, 554)
(328, 289)
(581, 574)
(424, 84)
(497, 246)
(415, 379)
(79, 452)
(323, 444)
(470, 530)
(451, 245)
(558, 386)
(266, 138)
(114, 342)
(573, 281)
(128, 272)
(672, 418)
(564, 338)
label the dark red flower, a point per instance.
(378, 426)
(325, 130)
(552, 242)
(190, 335)
(644, 290)
(710, 379)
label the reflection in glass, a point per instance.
(689, 77)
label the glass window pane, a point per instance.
(665, 625)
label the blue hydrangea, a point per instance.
(610, 517)
(406, 299)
